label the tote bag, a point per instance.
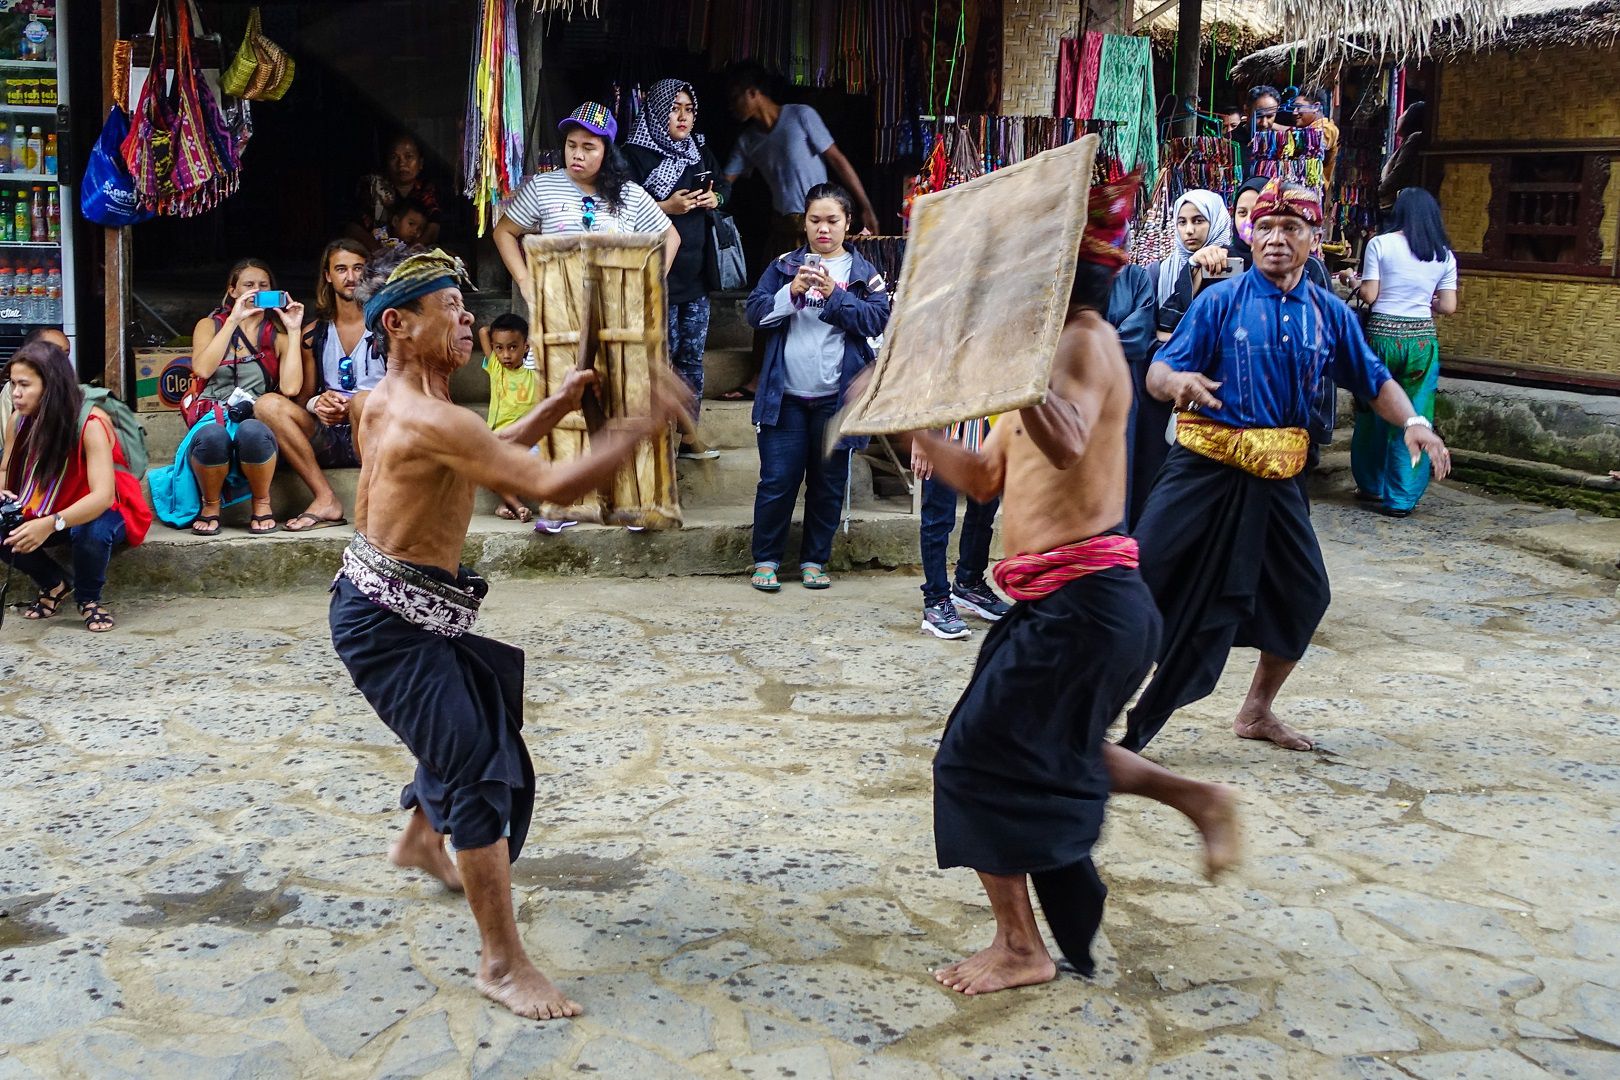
(107, 195)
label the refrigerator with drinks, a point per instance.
(36, 245)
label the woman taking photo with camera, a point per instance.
(63, 481)
(819, 304)
(249, 347)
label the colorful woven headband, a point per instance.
(1282, 198)
(415, 277)
(1108, 216)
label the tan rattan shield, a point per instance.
(982, 296)
(628, 269)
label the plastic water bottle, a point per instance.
(6, 277)
(19, 149)
(53, 217)
(41, 296)
(53, 293)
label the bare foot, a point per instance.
(1263, 724)
(525, 991)
(505, 513)
(1215, 814)
(998, 968)
(423, 849)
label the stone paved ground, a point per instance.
(732, 864)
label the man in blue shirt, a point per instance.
(1227, 546)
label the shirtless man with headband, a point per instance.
(402, 605)
(1023, 770)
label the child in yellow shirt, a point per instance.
(514, 387)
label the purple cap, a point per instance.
(594, 118)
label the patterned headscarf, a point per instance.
(1278, 197)
(415, 277)
(652, 131)
(1213, 207)
(1108, 217)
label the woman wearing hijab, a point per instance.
(672, 163)
(1203, 235)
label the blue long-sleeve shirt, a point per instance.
(1132, 308)
(1270, 350)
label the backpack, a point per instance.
(131, 435)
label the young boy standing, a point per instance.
(514, 387)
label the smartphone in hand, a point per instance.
(271, 299)
(704, 181)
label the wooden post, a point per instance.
(1189, 36)
(116, 244)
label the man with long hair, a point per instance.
(342, 366)
(403, 605)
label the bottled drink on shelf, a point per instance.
(53, 217)
(50, 154)
(19, 218)
(6, 299)
(8, 222)
(53, 293)
(39, 229)
(5, 147)
(36, 150)
(19, 149)
(41, 295)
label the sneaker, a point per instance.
(980, 599)
(551, 527)
(942, 621)
(691, 453)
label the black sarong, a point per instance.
(457, 704)
(1232, 560)
(1019, 780)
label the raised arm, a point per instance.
(209, 342)
(291, 381)
(840, 167)
(508, 237)
(538, 422)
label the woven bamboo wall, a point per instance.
(1611, 216)
(1565, 93)
(1029, 47)
(1465, 197)
(1548, 322)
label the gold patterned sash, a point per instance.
(1269, 453)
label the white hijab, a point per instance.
(1213, 207)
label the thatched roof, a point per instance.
(1533, 24)
(1240, 24)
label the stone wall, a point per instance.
(1575, 430)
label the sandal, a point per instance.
(209, 523)
(814, 577)
(97, 619)
(764, 579)
(48, 602)
(275, 526)
(742, 393)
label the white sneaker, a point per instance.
(687, 453)
(551, 527)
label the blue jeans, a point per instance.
(93, 545)
(973, 549)
(790, 455)
(688, 338)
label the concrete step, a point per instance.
(713, 541)
(728, 323)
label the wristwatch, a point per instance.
(61, 523)
(1418, 421)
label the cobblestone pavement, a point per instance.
(731, 867)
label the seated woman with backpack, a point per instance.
(65, 470)
(240, 353)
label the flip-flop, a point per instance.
(742, 393)
(764, 579)
(814, 577)
(314, 523)
(275, 526)
(205, 519)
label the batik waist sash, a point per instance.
(1031, 577)
(440, 607)
(1269, 453)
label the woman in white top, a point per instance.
(592, 192)
(1408, 275)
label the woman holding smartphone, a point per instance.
(671, 161)
(245, 349)
(819, 305)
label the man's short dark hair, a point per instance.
(1092, 284)
(1265, 90)
(1314, 95)
(510, 321)
(749, 75)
